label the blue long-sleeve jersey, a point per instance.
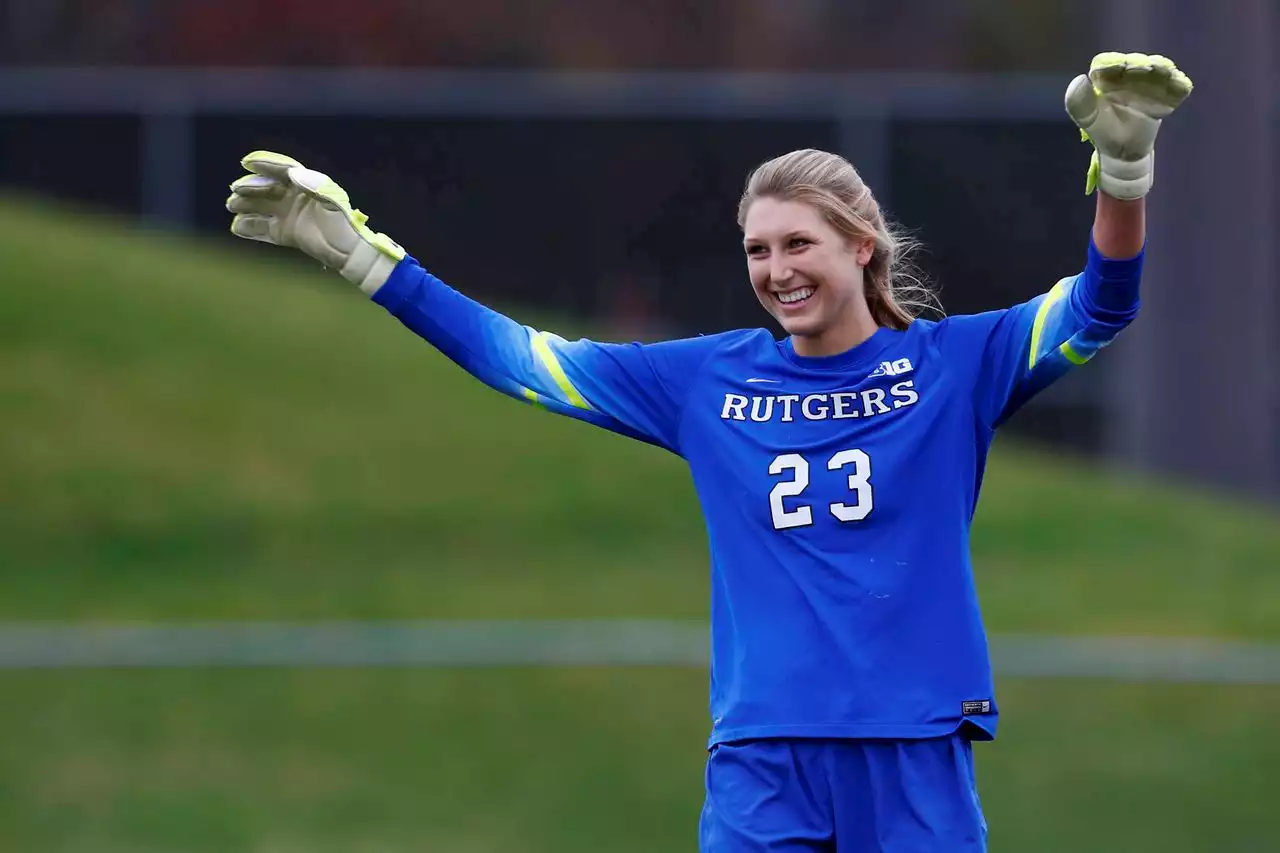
(838, 492)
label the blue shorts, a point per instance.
(842, 796)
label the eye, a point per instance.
(799, 242)
(755, 250)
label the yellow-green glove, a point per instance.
(284, 203)
(1119, 106)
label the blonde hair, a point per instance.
(895, 292)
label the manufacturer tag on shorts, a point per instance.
(976, 706)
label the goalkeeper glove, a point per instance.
(1118, 106)
(284, 203)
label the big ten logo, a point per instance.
(893, 368)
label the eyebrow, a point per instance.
(799, 232)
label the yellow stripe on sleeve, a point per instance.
(1042, 316)
(532, 397)
(1072, 356)
(552, 364)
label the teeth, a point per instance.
(796, 295)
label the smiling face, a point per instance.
(808, 275)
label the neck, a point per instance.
(839, 338)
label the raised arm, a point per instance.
(1118, 106)
(633, 389)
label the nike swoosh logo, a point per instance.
(755, 379)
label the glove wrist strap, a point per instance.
(1125, 179)
(368, 268)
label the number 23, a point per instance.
(802, 516)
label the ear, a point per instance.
(865, 249)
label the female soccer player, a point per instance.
(838, 468)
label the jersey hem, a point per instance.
(855, 731)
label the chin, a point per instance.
(803, 327)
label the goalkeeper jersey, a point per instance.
(838, 492)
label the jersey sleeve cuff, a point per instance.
(1104, 262)
(399, 286)
(1110, 286)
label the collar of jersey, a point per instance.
(863, 352)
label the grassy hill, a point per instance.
(198, 431)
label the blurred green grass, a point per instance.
(566, 760)
(191, 432)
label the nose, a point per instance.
(779, 271)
